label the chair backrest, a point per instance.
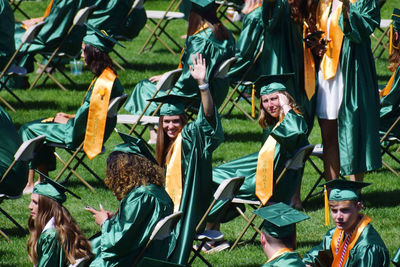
(136, 4)
(115, 104)
(228, 188)
(224, 68)
(31, 32)
(168, 79)
(299, 158)
(165, 226)
(82, 15)
(26, 150)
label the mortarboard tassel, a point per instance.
(326, 206)
(253, 102)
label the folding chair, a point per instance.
(226, 191)
(16, 6)
(222, 10)
(161, 231)
(9, 70)
(25, 152)
(113, 108)
(80, 18)
(387, 141)
(161, 19)
(384, 28)
(240, 95)
(294, 163)
(166, 83)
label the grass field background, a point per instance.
(241, 138)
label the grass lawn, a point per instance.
(242, 137)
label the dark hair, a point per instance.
(73, 242)
(126, 171)
(97, 60)
(304, 10)
(198, 17)
(163, 141)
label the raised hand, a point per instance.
(198, 70)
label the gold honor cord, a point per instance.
(326, 205)
(97, 116)
(388, 87)
(253, 101)
(309, 69)
(173, 177)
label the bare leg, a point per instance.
(153, 135)
(357, 177)
(329, 133)
(296, 201)
(31, 178)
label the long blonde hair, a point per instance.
(265, 119)
(74, 244)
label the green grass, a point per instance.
(242, 137)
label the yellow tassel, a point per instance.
(326, 207)
(391, 38)
(253, 102)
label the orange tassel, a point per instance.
(391, 38)
(253, 102)
(326, 206)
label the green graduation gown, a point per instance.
(390, 107)
(71, 134)
(214, 51)
(290, 135)
(369, 250)
(199, 139)
(283, 53)
(358, 118)
(16, 179)
(126, 234)
(287, 259)
(396, 258)
(7, 47)
(49, 250)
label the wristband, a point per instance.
(203, 87)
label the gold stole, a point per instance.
(309, 69)
(173, 177)
(202, 27)
(46, 13)
(97, 117)
(365, 220)
(279, 253)
(265, 169)
(388, 87)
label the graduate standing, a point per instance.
(7, 47)
(137, 183)
(55, 239)
(354, 241)
(71, 129)
(185, 151)
(347, 99)
(279, 235)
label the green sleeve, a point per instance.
(273, 13)
(363, 19)
(311, 257)
(396, 258)
(370, 255)
(49, 250)
(292, 132)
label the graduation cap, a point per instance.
(396, 19)
(172, 104)
(135, 146)
(342, 189)
(280, 219)
(100, 39)
(202, 5)
(52, 189)
(268, 84)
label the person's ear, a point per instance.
(263, 239)
(396, 36)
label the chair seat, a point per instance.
(210, 235)
(58, 145)
(318, 151)
(385, 23)
(133, 119)
(155, 14)
(245, 201)
(15, 70)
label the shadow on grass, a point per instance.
(42, 104)
(15, 232)
(74, 182)
(155, 66)
(382, 199)
(311, 243)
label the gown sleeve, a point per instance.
(272, 14)
(312, 256)
(48, 249)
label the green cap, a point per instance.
(202, 5)
(171, 104)
(268, 84)
(52, 189)
(344, 190)
(99, 39)
(396, 19)
(280, 219)
(135, 146)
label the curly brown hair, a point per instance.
(74, 243)
(394, 58)
(265, 120)
(126, 171)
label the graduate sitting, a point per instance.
(137, 183)
(279, 235)
(70, 129)
(390, 95)
(7, 47)
(354, 241)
